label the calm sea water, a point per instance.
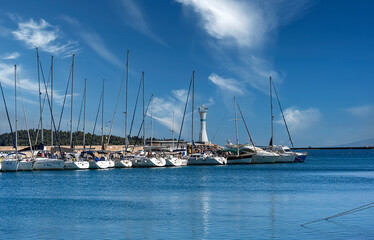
(194, 202)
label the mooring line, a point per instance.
(357, 209)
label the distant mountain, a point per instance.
(362, 143)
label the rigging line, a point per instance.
(141, 126)
(115, 109)
(63, 104)
(79, 120)
(219, 127)
(284, 119)
(136, 104)
(97, 115)
(361, 208)
(185, 108)
(240, 111)
(24, 113)
(40, 119)
(50, 108)
(7, 114)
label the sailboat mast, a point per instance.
(193, 102)
(15, 107)
(127, 87)
(151, 121)
(172, 131)
(51, 101)
(40, 98)
(272, 117)
(143, 112)
(71, 108)
(102, 119)
(84, 115)
(236, 129)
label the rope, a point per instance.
(354, 210)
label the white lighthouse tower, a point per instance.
(203, 137)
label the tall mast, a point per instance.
(151, 121)
(84, 115)
(71, 108)
(40, 97)
(236, 129)
(127, 87)
(102, 119)
(143, 112)
(193, 99)
(15, 107)
(272, 117)
(51, 101)
(172, 131)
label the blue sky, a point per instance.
(320, 54)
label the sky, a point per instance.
(319, 54)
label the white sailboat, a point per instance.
(148, 161)
(205, 159)
(120, 161)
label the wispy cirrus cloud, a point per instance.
(361, 111)
(93, 40)
(9, 56)
(28, 86)
(132, 14)
(227, 85)
(44, 36)
(300, 119)
(246, 26)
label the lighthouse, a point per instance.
(203, 137)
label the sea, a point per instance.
(264, 201)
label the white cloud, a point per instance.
(44, 36)
(298, 119)
(227, 84)
(93, 40)
(361, 111)
(28, 86)
(8, 56)
(232, 20)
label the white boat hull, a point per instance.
(145, 162)
(175, 162)
(286, 158)
(25, 165)
(124, 163)
(111, 163)
(9, 165)
(98, 164)
(206, 161)
(48, 164)
(76, 165)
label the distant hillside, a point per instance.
(64, 138)
(362, 143)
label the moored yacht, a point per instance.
(9, 164)
(120, 160)
(205, 159)
(148, 161)
(73, 162)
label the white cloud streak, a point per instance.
(9, 56)
(361, 111)
(94, 41)
(298, 119)
(227, 84)
(44, 36)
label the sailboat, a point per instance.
(72, 161)
(282, 157)
(201, 158)
(45, 161)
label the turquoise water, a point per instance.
(194, 202)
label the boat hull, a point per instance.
(206, 161)
(111, 163)
(241, 159)
(48, 164)
(286, 158)
(124, 163)
(175, 162)
(25, 165)
(145, 162)
(265, 158)
(98, 164)
(9, 165)
(76, 165)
